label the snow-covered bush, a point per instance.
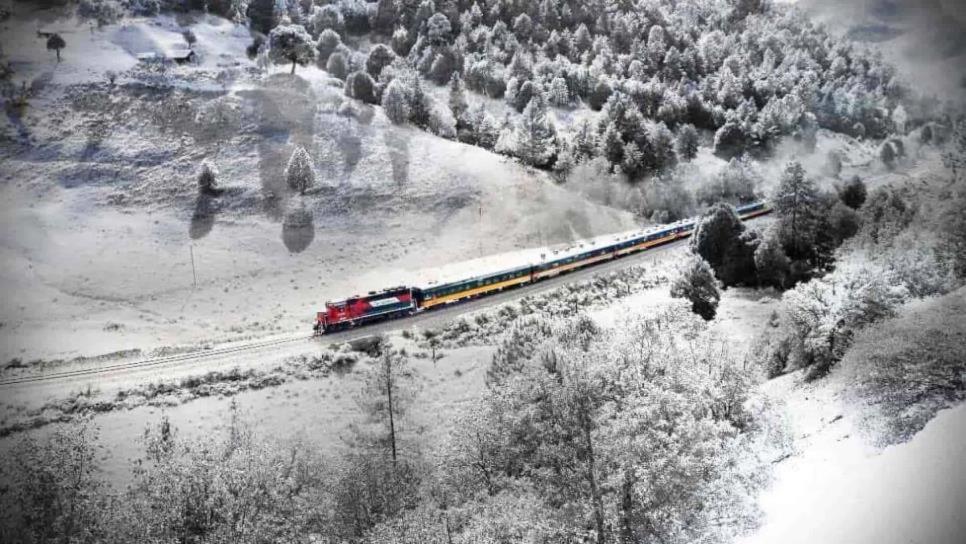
(291, 44)
(853, 193)
(220, 117)
(328, 43)
(696, 283)
(395, 102)
(379, 57)
(736, 183)
(826, 313)
(359, 85)
(104, 12)
(441, 122)
(337, 66)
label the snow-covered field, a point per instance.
(99, 232)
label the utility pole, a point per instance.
(392, 425)
(194, 275)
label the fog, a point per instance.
(925, 38)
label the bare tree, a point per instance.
(385, 398)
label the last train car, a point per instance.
(360, 310)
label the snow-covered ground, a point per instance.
(838, 489)
(106, 245)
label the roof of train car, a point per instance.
(547, 254)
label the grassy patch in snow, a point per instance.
(907, 369)
(173, 393)
(485, 328)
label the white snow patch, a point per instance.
(839, 489)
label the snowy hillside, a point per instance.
(390, 201)
(184, 184)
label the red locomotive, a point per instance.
(375, 306)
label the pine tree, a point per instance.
(633, 161)
(419, 104)
(261, 15)
(687, 142)
(559, 94)
(536, 134)
(602, 91)
(662, 145)
(485, 128)
(457, 98)
(611, 145)
(386, 397)
(300, 173)
(797, 204)
(722, 240)
(771, 263)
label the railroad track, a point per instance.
(156, 361)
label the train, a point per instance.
(403, 301)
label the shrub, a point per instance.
(696, 283)
(853, 193)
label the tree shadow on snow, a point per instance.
(203, 218)
(398, 146)
(298, 228)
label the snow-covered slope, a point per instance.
(108, 246)
(838, 489)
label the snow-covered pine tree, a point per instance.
(419, 104)
(771, 263)
(457, 98)
(261, 15)
(611, 144)
(291, 43)
(207, 178)
(300, 173)
(797, 204)
(559, 94)
(662, 144)
(687, 142)
(486, 130)
(536, 134)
